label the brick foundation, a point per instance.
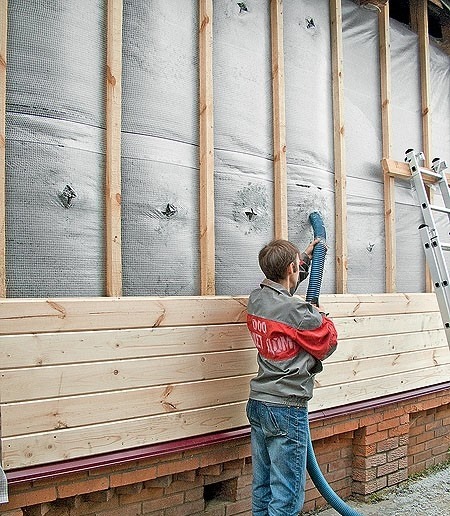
(360, 453)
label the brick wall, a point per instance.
(360, 452)
(429, 437)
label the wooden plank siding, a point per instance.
(112, 374)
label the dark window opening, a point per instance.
(399, 10)
(434, 24)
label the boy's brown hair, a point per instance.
(275, 258)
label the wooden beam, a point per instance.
(401, 170)
(206, 152)
(419, 20)
(3, 39)
(113, 148)
(340, 180)
(279, 121)
(389, 182)
(419, 17)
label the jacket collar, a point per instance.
(274, 286)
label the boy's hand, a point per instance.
(309, 250)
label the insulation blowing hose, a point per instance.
(318, 259)
(312, 296)
(322, 485)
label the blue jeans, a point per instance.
(279, 436)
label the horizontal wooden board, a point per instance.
(373, 388)
(345, 373)
(43, 349)
(75, 314)
(348, 305)
(18, 316)
(351, 362)
(354, 327)
(88, 346)
(401, 170)
(56, 381)
(384, 345)
(69, 412)
(81, 442)
(382, 355)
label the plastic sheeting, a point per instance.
(440, 126)
(55, 148)
(243, 142)
(406, 134)
(309, 125)
(365, 209)
(440, 103)
(55, 144)
(160, 235)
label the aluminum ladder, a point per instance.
(432, 245)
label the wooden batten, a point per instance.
(206, 151)
(400, 170)
(340, 180)
(386, 124)
(419, 22)
(279, 121)
(3, 39)
(113, 190)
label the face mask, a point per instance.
(293, 290)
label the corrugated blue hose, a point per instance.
(318, 258)
(312, 296)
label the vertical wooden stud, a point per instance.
(3, 39)
(279, 121)
(389, 182)
(113, 148)
(419, 23)
(340, 180)
(206, 152)
(419, 20)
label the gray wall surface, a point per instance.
(55, 129)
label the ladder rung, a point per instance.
(445, 247)
(427, 172)
(442, 209)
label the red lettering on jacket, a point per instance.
(278, 341)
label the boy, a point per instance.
(292, 338)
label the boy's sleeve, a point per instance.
(305, 262)
(320, 342)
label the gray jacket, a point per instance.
(292, 338)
